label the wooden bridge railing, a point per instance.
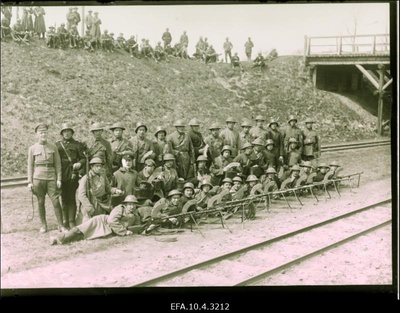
(347, 45)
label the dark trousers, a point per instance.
(49, 187)
(68, 199)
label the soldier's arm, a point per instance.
(114, 221)
(109, 154)
(57, 163)
(30, 164)
(83, 195)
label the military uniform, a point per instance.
(311, 141)
(277, 138)
(217, 169)
(140, 148)
(118, 146)
(167, 38)
(215, 144)
(126, 179)
(248, 48)
(100, 148)
(292, 132)
(231, 138)
(197, 141)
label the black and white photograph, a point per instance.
(150, 146)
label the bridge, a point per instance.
(340, 62)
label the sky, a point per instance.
(270, 26)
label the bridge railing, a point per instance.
(347, 45)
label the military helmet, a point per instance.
(188, 185)
(117, 125)
(227, 180)
(258, 141)
(309, 120)
(140, 124)
(226, 147)
(230, 120)
(295, 167)
(306, 164)
(201, 158)
(96, 161)
(66, 126)
(130, 199)
(269, 142)
(273, 121)
(251, 178)
(270, 170)
(168, 157)
(246, 145)
(214, 126)
(323, 165)
(237, 178)
(205, 182)
(179, 123)
(334, 163)
(194, 122)
(293, 140)
(41, 126)
(246, 123)
(96, 126)
(259, 118)
(160, 129)
(291, 118)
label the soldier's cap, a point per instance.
(258, 142)
(66, 126)
(269, 142)
(293, 140)
(273, 121)
(150, 162)
(259, 118)
(41, 127)
(227, 180)
(140, 124)
(230, 120)
(251, 178)
(128, 155)
(292, 118)
(214, 126)
(117, 125)
(237, 178)
(194, 122)
(226, 148)
(270, 170)
(309, 120)
(160, 129)
(323, 165)
(295, 167)
(306, 164)
(201, 158)
(334, 163)
(246, 123)
(205, 182)
(96, 161)
(130, 199)
(168, 157)
(179, 123)
(188, 185)
(174, 192)
(247, 145)
(96, 126)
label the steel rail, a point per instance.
(256, 246)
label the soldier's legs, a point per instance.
(54, 195)
(39, 189)
(68, 197)
(72, 235)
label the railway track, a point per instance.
(23, 180)
(252, 263)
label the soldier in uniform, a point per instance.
(219, 167)
(146, 173)
(166, 37)
(89, 20)
(72, 160)
(203, 195)
(274, 134)
(311, 141)
(292, 157)
(271, 177)
(294, 175)
(126, 178)
(292, 131)
(119, 144)
(132, 47)
(230, 136)
(244, 158)
(167, 207)
(248, 48)
(259, 61)
(271, 157)
(95, 29)
(196, 137)
(73, 37)
(202, 171)
(182, 148)
(99, 147)
(63, 36)
(245, 135)
(159, 53)
(142, 146)
(259, 131)
(167, 174)
(235, 62)
(213, 143)
(51, 38)
(322, 170)
(44, 176)
(210, 55)
(228, 50)
(258, 158)
(160, 145)
(94, 192)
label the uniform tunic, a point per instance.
(258, 132)
(160, 148)
(169, 178)
(217, 167)
(271, 158)
(44, 162)
(277, 138)
(100, 148)
(118, 146)
(72, 154)
(292, 132)
(311, 143)
(183, 150)
(140, 148)
(214, 146)
(245, 163)
(243, 138)
(231, 138)
(197, 141)
(292, 157)
(126, 180)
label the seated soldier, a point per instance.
(18, 33)
(144, 193)
(292, 157)
(210, 55)
(235, 62)
(164, 209)
(294, 175)
(219, 167)
(227, 184)
(334, 166)
(259, 61)
(203, 195)
(322, 170)
(258, 158)
(105, 41)
(5, 29)
(271, 181)
(243, 158)
(251, 181)
(271, 157)
(307, 169)
(124, 220)
(169, 50)
(159, 53)
(88, 42)
(148, 170)
(112, 42)
(202, 172)
(237, 184)
(132, 47)
(51, 38)
(120, 43)
(167, 174)
(73, 37)
(63, 36)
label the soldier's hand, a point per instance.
(128, 233)
(58, 184)
(90, 212)
(118, 191)
(76, 166)
(30, 187)
(281, 159)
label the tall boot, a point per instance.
(73, 235)
(42, 214)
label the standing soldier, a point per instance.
(126, 178)
(182, 148)
(72, 160)
(99, 147)
(311, 141)
(271, 157)
(228, 50)
(244, 135)
(167, 174)
(274, 134)
(40, 25)
(89, 20)
(77, 16)
(119, 144)
(213, 143)
(95, 30)
(219, 167)
(160, 145)
(166, 37)
(244, 158)
(259, 131)
(44, 176)
(248, 48)
(196, 137)
(142, 146)
(230, 136)
(70, 18)
(292, 131)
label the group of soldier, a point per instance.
(158, 174)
